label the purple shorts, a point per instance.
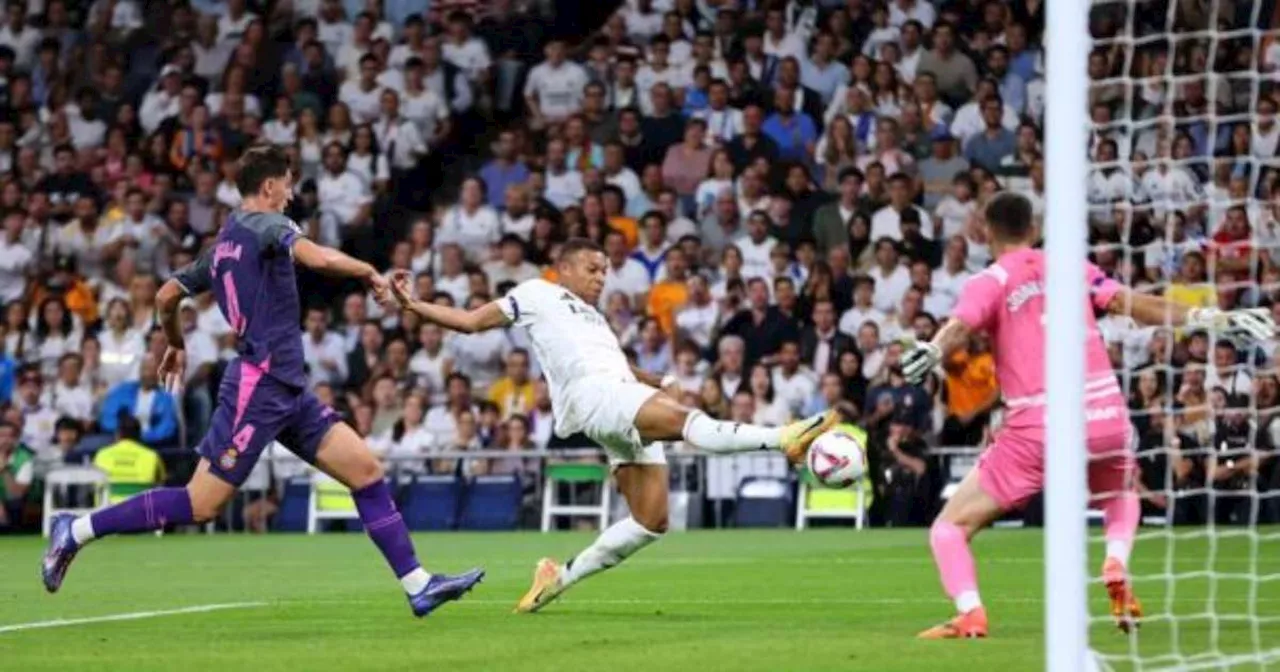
(255, 409)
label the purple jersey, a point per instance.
(250, 271)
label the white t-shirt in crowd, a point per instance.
(890, 287)
(558, 90)
(473, 232)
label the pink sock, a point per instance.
(1120, 520)
(955, 564)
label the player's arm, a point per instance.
(1253, 323)
(193, 280)
(484, 318)
(328, 261)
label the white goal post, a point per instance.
(1193, 86)
(1066, 617)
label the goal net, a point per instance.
(1184, 200)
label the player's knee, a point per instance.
(204, 506)
(655, 521)
(366, 472)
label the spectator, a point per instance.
(513, 393)
(890, 278)
(951, 68)
(794, 382)
(405, 446)
(909, 485)
(972, 393)
(69, 395)
(624, 273)
(698, 318)
(481, 356)
(131, 467)
(152, 406)
(511, 266)
(17, 473)
(995, 143)
(767, 327)
(686, 164)
(345, 200)
(794, 133)
(324, 351)
(553, 90)
(770, 409)
(443, 420)
(670, 293)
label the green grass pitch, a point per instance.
(730, 600)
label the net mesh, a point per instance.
(1185, 201)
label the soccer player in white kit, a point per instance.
(1007, 300)
(594, 390)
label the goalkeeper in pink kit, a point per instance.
(1007, 300)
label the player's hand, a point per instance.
(381, 288)
(919, 358)
(173, 369)
(1252, 323)
(399, 284)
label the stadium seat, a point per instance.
(491, 503)
(573, 473)
(431, 503)
(65, 477)
(763, 502)
(292, 515)
(815, 502)
(329, 500)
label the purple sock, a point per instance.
(148, 511)
(385, 527)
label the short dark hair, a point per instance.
(575, 245)
(258, 165)
(1009, 216)
(127, 426)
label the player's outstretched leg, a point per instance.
(969, 510)
(645, 488)
(664, 419)
(344, 456)
(199, 502)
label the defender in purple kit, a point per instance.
(263, 396)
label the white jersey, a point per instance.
(571, 340)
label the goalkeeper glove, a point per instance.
(1252, 323)
(919, 359)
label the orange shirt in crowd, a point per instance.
(665, 298)
(971, 381)
(629, 229)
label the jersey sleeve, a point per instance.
(523, 304)
(277, 233)
(1101, 288)
(196, 277)
(979, 301)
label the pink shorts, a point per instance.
(1012, 468)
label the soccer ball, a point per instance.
(836, 459)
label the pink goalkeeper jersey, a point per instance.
(1007, 301)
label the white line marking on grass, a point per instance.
(133, 616)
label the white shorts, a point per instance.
(605, 409)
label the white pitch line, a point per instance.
(133, 616)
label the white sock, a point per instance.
(968, 601)
(729, 437)
(1120, 550)
(614, 545)
(415, 581)
(82, 530)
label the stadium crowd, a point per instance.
(784, 190)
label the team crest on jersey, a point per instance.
(228, 459)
